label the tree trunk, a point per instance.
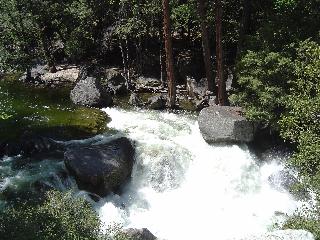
(222, 95)
(169, 55)
(206, 47)
(244, 25)
(124, 58)
(46, 51)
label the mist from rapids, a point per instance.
(184, 188)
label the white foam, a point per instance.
(184, 188)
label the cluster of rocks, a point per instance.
(66, 75)
(99, 169)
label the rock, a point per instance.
(101, 169)
(135, 100)
(114, 82)
(89, 92)
(139, 234)
(225, 124)
(202, 103)
(283, 235)
(28, 144)
(157, 102)
(148, 82)
(197, 89)
(41, 75)
(32, 144)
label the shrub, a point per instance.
(61, 216)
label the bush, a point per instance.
(282, 90)
(61, 216)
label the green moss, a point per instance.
(45, 111)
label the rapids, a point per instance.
(184, 188)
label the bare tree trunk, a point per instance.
(44, 42)
(206, 47)
(127, 61)
(169, 55)
(124, 58)
(244, 24)
(222, 95)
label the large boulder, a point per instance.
(89, 92)
(114, 81)
(101, 169)
(225, 124)
(139, 234)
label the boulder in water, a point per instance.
(101, 169)
(89, 92)
(225, 124)
(28, 144)
(139, 234)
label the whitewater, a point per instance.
(184, 188)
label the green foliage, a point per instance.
(17, 42)
(307, 218)
(61, 216)
(283, 90)
(263, 78)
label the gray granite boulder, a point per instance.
(89, 92)
(101, 169)
(139, 234)
(197, 89)
(225, 124)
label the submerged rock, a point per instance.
(28, 144)
(225, 124)
(101, 169)
(139, 234)
(283, 235)
(89, 92)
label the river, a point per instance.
(184, 188)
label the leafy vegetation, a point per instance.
(279, 85)
(60, 216)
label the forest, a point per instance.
(269, 49)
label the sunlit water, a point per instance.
(184, 188)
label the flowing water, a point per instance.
(181, 187)
(184, 188)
